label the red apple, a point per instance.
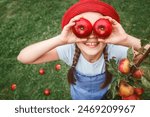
(131, 97)
(102, 28)
(41, 71)
(124, 66)
(125, 89)
(13, 87)
(82, 28)
(138, 74)
(47, 92)
(139, 91)
(57, 67)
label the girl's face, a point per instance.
(91, 48)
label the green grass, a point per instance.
(23, 22)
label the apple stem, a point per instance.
(82, 28)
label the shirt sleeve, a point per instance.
(117, 51)
(65, 53)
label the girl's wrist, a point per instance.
(61, 40)
(131, 41)
(122, 40)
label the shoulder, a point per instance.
(66, 52)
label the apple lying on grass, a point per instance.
(13, 86)
(57, 67)
(47, 92)
(41, 71)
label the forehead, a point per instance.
(91, 16)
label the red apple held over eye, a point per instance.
(131, 97)
(138, 74)
(124, 66)
(13, 87)
(57, 67)
(102, 28)
(139, 91)
(47, 92)
(82, 28)
(125, 89)
(41, 71)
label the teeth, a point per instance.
(91, 44)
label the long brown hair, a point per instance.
(108, 74)
(71, 71)
(70, 75)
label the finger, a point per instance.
(104, 41)
(113, 21)
(101, 40)
(76, 18)
(69, 25)
(108, 18)
(72, 22)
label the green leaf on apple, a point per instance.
(145, 82)
(146, 73)
(130, 54)
(112, 67)
(113, 88)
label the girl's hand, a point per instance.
(118, 35)
(67, 36)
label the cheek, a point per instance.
(80, 45)
(102, 45)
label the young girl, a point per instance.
(88, 75)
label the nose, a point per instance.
(92, 35)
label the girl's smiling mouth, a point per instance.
(91, 44)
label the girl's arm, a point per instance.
(40, 52)
(120, 37)
(131, 41)
(45, 51)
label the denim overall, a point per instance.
(88, 87)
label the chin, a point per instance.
(91, 52)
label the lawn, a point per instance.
(23, 22)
